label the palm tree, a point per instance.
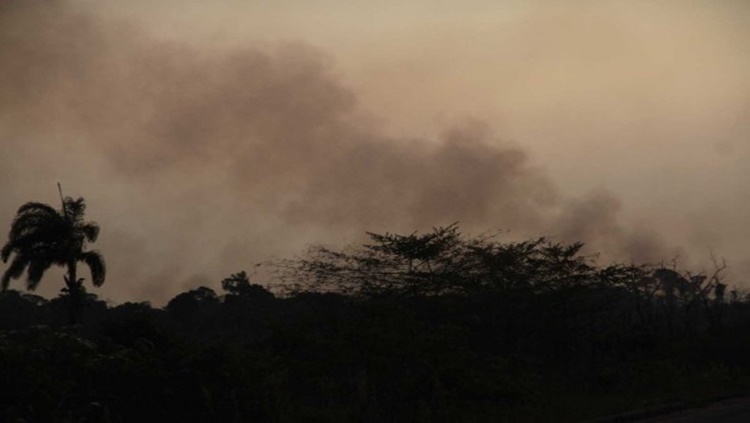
(41, 236)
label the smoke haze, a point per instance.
(207, 139)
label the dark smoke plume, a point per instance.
(200, 162)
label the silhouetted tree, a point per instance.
(188, 308)
(18, 310)
(434, 263)
(441, 262)
(41, 236)
(238, 284)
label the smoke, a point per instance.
(199, 162)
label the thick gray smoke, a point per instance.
(201, 162)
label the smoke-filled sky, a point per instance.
(208, 137)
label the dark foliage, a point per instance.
(41, 237)
(431, 327)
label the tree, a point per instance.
(41, 236)
(434, 263)
(441, 262)
(238, 284)
(194, 307)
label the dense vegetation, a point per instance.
(422, 327)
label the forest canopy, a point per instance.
(432, 326)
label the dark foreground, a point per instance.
(431, 328)
(736, 410)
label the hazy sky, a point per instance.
(210, 136)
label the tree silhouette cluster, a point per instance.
(419, 327)
(445, 263)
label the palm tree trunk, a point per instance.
(75, 294)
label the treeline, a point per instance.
(420, 327)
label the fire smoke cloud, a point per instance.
(199, 162)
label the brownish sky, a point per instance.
(209, 136)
